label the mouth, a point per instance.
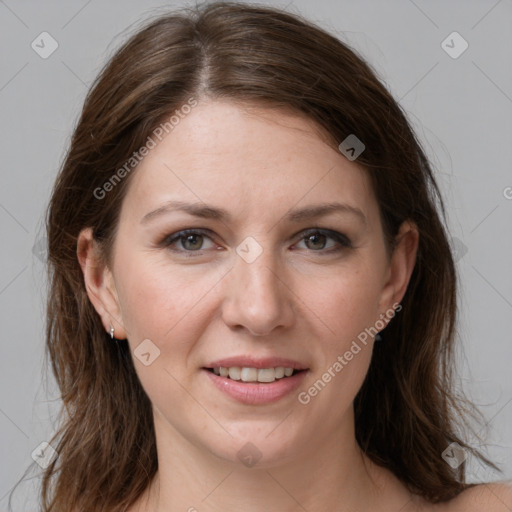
(253, 386)
(254, 380)
(254, 375)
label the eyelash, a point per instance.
(343, 241)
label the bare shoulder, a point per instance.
(493, 497)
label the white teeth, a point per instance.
(247, 374)
(266, 375)
(235, 372)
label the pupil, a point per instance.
(315, 237)
(192, 238)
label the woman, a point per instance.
(252, 298)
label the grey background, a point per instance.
(461, 109)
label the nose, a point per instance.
(257, 297)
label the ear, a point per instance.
(99, 283)
(401, 265)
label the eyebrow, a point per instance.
(205, 211)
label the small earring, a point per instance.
(111, 331)
(378, 337)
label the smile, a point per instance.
(248, 374)
(254, 392)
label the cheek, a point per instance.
(351, 304)
(167, 308)
(331, 389)
(147, 303)
(158, 301)
(349, 310)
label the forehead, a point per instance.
(247, 157)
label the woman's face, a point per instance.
(269, 278)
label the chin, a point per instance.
(258, 450)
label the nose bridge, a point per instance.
(257, 298)
(259, 276)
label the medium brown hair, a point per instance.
(406, 412)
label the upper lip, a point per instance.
(253, 362)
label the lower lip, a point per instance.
(254, 393)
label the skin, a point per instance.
(298, 300)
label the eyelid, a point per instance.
(177, 235)
(340, 238)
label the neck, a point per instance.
(327, 474)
